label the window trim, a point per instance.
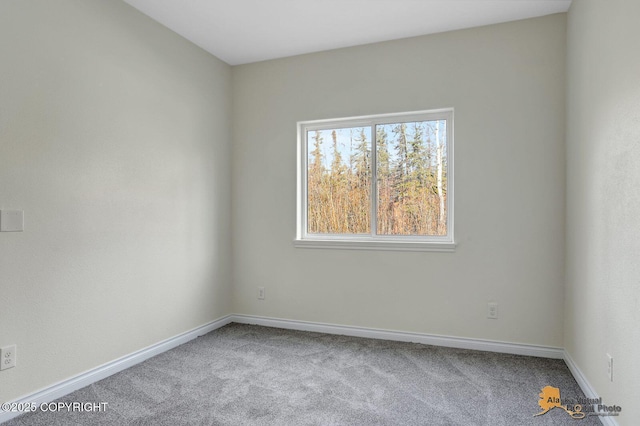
(445, 243)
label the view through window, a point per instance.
(377, 178)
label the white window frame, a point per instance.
(444, 243)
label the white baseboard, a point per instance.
(401, 336)
(67, 386)
(586, 387)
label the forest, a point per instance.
(410, 176)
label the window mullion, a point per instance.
(374, 183)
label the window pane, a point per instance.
(339, 181)
(412, 178)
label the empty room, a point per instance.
(319, 212)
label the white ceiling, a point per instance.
(244, 31)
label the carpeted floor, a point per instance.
(251, 375)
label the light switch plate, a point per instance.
(11, 221)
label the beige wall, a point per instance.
(602, 309)
(115, 140)
(506, 83)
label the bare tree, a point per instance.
(439, 168)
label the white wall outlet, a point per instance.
(261, 293)
(492, 310)
(7, 357)
(610, 367)
(11, 221)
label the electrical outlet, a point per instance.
(492, 310)
(11, 221)
(610, 367)
(7, 357)
(261, 293)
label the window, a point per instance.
(377, 182)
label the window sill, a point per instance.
(376, 245)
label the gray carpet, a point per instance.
(251, 375)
